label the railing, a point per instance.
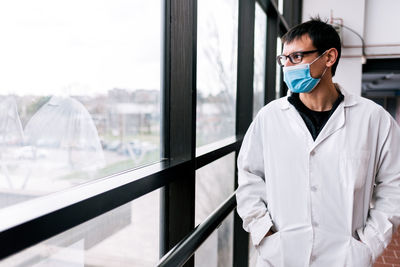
(182, 252)
(47, 216)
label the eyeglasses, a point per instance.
(295, 57)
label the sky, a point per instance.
(60, 47)
(217, 27)
(66, 47)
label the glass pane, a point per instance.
(217, 250)
(260, 53)
(214, 184)
(216, 69)
(79, 93)
(398, 110)
(125, 236)
(278, 68)
(280, 6)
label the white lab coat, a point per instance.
(320, 196)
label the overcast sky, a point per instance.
(68, 47)
(60, 47)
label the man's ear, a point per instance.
(332, 55)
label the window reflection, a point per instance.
(216, 69)
(126, 236)
(217, 249)
(278, 71)
(398, 111)
(79, 97)
(260, 54)
(214, 184)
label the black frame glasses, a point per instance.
(295, 57)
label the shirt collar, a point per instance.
(349, 99)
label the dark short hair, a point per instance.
(323, 36)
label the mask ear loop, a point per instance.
(323, 73)
(318, 57)
(316, 60)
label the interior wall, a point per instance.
(374, 20)
(349, 71)
(381, 24)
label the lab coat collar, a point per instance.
(335, 122)
(349, 99)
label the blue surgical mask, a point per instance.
(298, 77)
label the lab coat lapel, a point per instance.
(334, 123)
(298, 125)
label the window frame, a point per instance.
(175, 173)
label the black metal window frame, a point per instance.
(53, 214)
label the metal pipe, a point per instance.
(371, 56)
(371, 45)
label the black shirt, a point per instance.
(315, 120)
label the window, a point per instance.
(214, 184)
(260, 51)
(217, 249)
(125, 236)
(216, 69)
(80, 100)
(398, 111)
(80, 92)
(278, 69)
(280, 6)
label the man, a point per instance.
(319, 170)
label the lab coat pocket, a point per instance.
(354, 168)
(270, 251)
(359, 254)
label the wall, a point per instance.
(381, 24)
(373, 20)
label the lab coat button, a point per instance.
(313, 188)
(312, 153)
(313, 258)
(315, 224)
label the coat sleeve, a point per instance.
(251, 192)
(384, 216)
